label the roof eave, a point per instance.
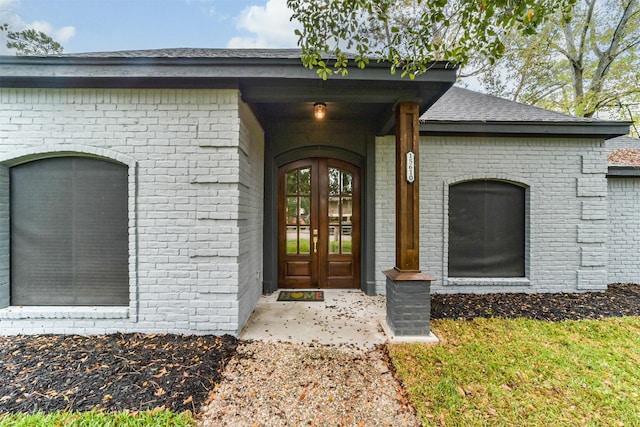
(623, 171)
(33, 71)
(577, 129)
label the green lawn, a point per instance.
(305, 246)
(496, 372)
(153, 418)
(292, 247)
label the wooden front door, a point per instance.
(319, 224)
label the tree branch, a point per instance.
(588, 25)
(605, 59)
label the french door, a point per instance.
(319, 224)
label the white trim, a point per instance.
(488, 281)
(64, 312)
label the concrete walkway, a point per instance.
(345, 317)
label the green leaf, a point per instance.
(417, 32)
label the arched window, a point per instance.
(486, 229)
(69, 233)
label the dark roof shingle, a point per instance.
(193, 53)
(460, 104)
(622, 142)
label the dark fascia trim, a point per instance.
(578, 129)
(32, 71)
(119, 83)
(619, 171)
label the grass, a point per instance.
(153, 418)
(496, 372)
(292, 247)
(305, 246)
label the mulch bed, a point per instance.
(137, 372)
(619, 300)
(110, 372)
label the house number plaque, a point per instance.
(411, 167)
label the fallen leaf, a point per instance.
(161, 374)
(442, 420)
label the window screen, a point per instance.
(69, 237)
(486, 229)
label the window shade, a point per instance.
(69, 234)
(486, 229)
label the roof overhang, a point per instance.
(623, 171)
(276, 88)
(578, 129)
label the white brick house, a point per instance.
(623, 179)
(165, 191)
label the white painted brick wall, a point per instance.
(251, 213)
(184, 150)
(4, 237)
(624, 230)
(566, 193)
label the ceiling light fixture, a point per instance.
(319, 110)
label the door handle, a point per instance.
(315, 240)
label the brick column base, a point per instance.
(408, 303)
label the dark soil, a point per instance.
(137, 372)
(619, 300)
(111, 372)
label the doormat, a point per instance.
(301, 296)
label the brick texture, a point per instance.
(624, 230)
(408, 307)
(566, 216)
(195, 220)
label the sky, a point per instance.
(112, 25)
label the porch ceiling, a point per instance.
(346, 99)
(302, 111)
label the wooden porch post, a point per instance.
(408, 289)
(407, 189)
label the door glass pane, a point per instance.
(292, 182)
(346, 239)
(305, 210)
(334, 210)
(292, 210)
(304, 240)
(346, 209)
(346, 229)
(292, 240)
(334, 239)
(334, 181)
(304, 180)
(347, 183)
